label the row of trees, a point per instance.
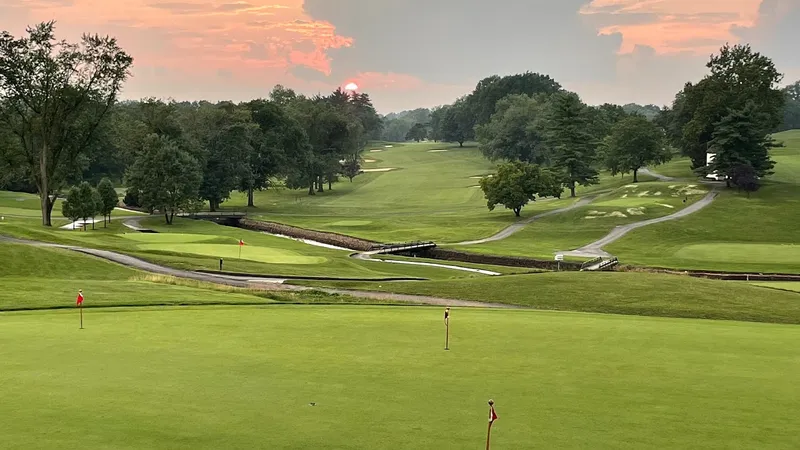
(60, 123)
(542, 134)
(181, 153)
(730, 113)
(84, 202)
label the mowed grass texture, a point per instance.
(198, 245)
(612, 292)
(735, 233)
(432, 194)
(38, 278)
(376, 378)
(573, 229)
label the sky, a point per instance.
(419, 53)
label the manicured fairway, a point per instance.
(434, 195)
(581, 226)
(379, 378)
(735, 233)
(611, 292)
(197, 244)
(787, 254)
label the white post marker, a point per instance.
(559, 258)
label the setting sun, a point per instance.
(351, 87)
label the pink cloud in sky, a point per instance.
(670, 26)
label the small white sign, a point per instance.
(559, 257)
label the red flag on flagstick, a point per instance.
(79, 300)
(241, 242)
(492, 414)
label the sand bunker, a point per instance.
(665, 205)
(370, 161)
(480, 178)
(657, 194)
(375, 151)
(436, 151)
(604, 215)
(636, 211)
(624, 196)
(643, 194)
(387, 169)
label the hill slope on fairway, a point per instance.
(36, 278)
(377, 378)
(735, 233)
(431, 194)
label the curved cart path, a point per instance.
(516, 227)
(253, 282)
(595, 249)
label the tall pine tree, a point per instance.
(569, 134)
(738, 140)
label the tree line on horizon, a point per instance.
(61, 124)
(544, 136)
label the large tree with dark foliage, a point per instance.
(482, 102)
(737, 141)
(738, 76)
(634, 142)
(574, 145)
(517, 183)
(53, 96)
(515, 131)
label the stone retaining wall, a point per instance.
(508, 261)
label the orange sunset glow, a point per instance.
(237, 49)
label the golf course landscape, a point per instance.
(301, 272)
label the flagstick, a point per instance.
(489, 431)
(447, 335)
(447, 328)
(80, 308)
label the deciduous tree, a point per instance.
(53, 95)
(108, 198)
(516, 184)
(166, 177)
(634, 142)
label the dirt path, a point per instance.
(595, 249)
(254, 282)
(522, 223)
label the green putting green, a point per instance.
(741, 253)
(378, 378)
(269, 255)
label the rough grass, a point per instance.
(735, 233)
(378, 378)
(618, 293)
